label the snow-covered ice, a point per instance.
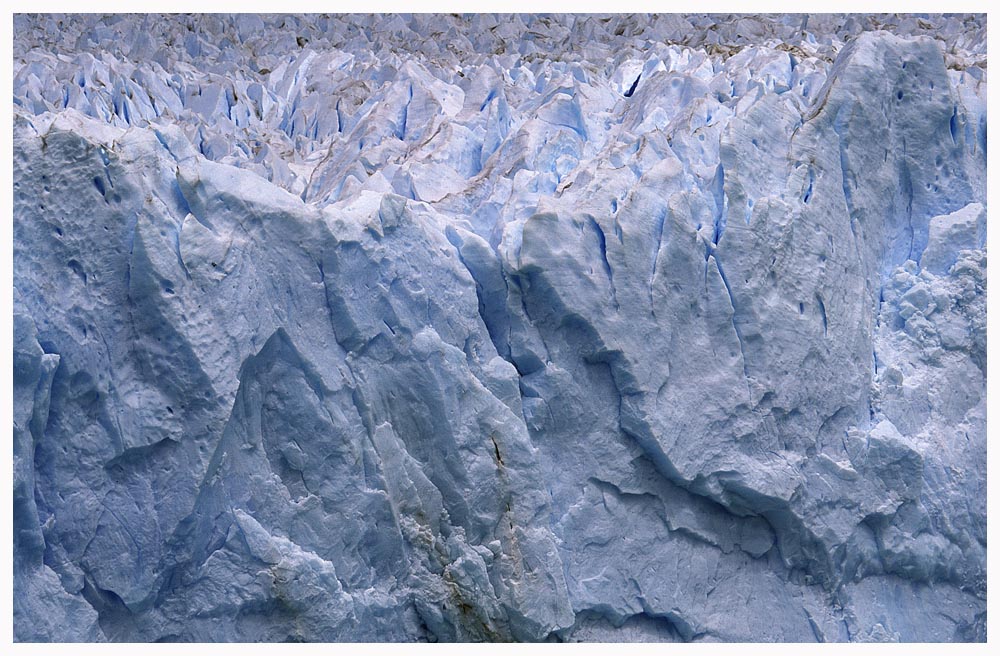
(440, 327)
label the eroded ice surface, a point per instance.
(465, 328)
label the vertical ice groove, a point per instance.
(839, 125)
(719, 193)
(602, 245)
(661, 218)
(736, 325)
(822, 313)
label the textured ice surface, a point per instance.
(489, 328)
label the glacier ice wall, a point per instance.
(499, 328)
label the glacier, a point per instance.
(486, 328)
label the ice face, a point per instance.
(485, 328)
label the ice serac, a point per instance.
(321, 335)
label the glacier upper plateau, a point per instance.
(488, 328)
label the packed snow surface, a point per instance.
(446, 327)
